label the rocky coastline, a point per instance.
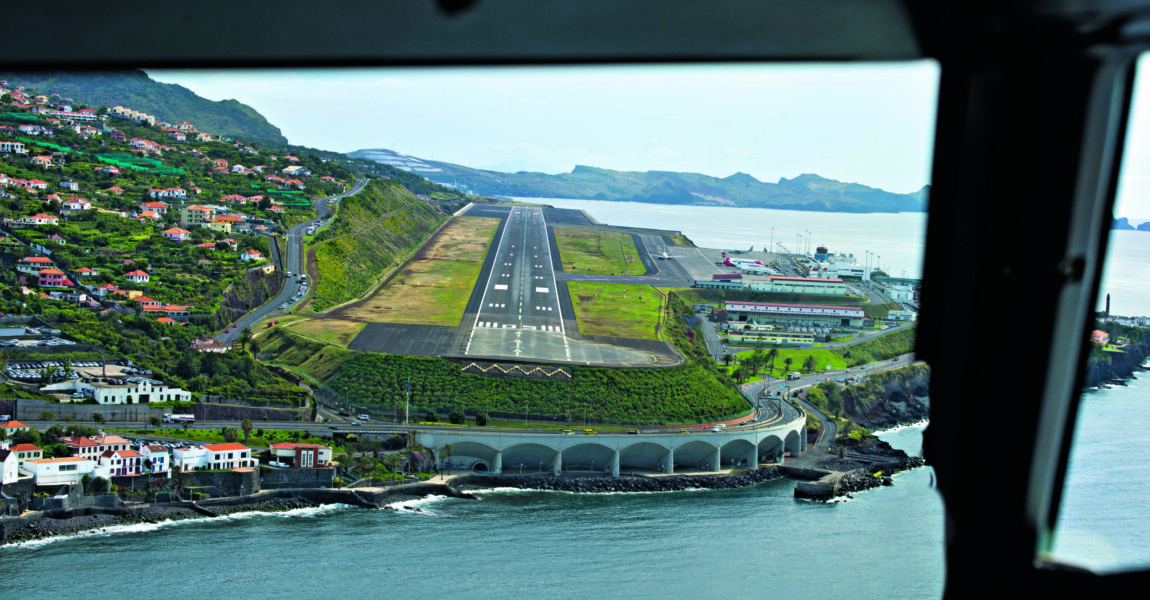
(63, 522)
(596, 483)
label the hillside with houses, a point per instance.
(130, 235)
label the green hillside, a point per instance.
(166, 101)
(373, 231)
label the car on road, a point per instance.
(355, 423)
(228, 330)
(632, 432)
(684, 432)
(588, 431)
(568, 432)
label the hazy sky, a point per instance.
(866, 123)
(870, 124)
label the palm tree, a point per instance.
(247, 427)
(787, 362)
(447, 449)
(772, 354)
(810, 364)
(393, 460)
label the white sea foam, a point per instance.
(138, 528)
(418, 505)
(920, 424)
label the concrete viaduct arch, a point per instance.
(533, 452)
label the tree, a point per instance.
(810, 364)
(457, 417)
(727, 358)
(481, 419)
(772, 354)
(247, 427)
(245, 337)
(100, 485)
(787, 363)
(447, 449)
(46, 415)
(154, 422)
(98, 418)
(393, 460)
(230, 434)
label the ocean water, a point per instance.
(896, 239)
(515, 543)
(1104, 521)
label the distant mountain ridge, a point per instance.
(805, 192)
(166, 101)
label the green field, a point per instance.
(878, 348)
(617, 309)
(598, 252)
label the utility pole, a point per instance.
(407, 410)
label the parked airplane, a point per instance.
(740, 263)
(751, 249)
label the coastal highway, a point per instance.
(293, 263)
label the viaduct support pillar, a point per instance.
(557, 464)
(753, 458)
(669, 461)
(497, 468)
(615, 463)
(715, 466)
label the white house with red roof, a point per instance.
(174, 193)
(77, 204)
(251, 255)
(33, 264)
(228, 456)
(159, 207)
(35, 220)
(85, 272)
(137, 276)
(11, 427)
(158, 458)
(177, 234)
(26, 452)
(83, 447)
(105, 289)
(122, 463)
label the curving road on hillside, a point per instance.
(292, 263)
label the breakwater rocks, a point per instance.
(626, 483)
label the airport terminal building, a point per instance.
(801, 285)
(791, 316)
